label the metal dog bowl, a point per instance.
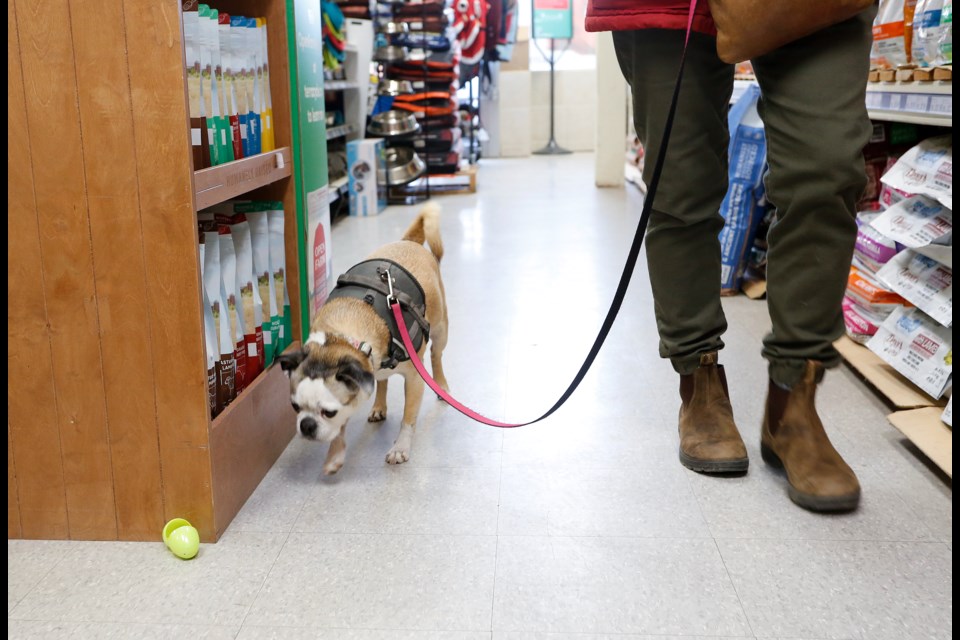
(394, 87)
(393, 28)
(393, 123)
(403, 166)
(390, 53)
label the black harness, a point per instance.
(367, 281)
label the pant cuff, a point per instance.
(787, 373)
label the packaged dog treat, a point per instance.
(213, 283)
(278, 259)
(224, 141)
(930, 30)
(230, 72)
(267, 140)
(253, 49)
(889, 46)
(210, 343)
(916, 222)
(191, 46)
(946, 32)
(922, 281)
(209, 85)
(250, 303)
(228, 272)
(926, 169)
(743, 205)
(242, 77)
(256, 215)
(917, 347)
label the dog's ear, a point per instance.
(290, 361)
(355, 377)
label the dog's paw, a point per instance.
(377, 415)
(331, 468)
(398, 455)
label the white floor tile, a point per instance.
(39, 630)
(28, 561)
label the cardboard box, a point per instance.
(365, 159)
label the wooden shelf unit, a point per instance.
(109, 433)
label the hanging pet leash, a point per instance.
(618, 297)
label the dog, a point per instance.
(351, 347)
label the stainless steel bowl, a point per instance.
(393, 28)
(394, 87)
(403, 167)
(393, 123)
(390, 53)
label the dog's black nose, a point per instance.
(308, 427)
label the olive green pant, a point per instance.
(816, 124)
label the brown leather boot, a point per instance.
(794, 438)
(709, 439)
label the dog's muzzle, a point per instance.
(308, 427)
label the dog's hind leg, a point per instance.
(379, 411)
(412, 397)
(438, 342)
(336, 454)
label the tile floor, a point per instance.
(584, 527)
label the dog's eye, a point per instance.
(295, 406)
(326, 413)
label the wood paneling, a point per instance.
(13, 502)
(161, 133)
(110, 168)
(50, 92)
(33, 436)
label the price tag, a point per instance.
(941, 105)
(917, 103)
(280, 161)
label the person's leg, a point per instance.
(814, 110)
(683, 252)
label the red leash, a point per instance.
(618, 297)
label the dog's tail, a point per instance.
(426, 228)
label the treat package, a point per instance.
(228, 272)
(932, 28)
(925, 169)
(250, 303)
(211, 347)
(922, 281)
(918, 348)
(889, 45)
(278, 266)
(256, 215)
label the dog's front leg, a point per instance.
(379, 411)
(336, 454)
(412, 396)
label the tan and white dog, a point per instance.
(349, 343)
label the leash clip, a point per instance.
(391, 298)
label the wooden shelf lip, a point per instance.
(223, 182)
(924, 428)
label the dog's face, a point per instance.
(328, 382)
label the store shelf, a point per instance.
(339, 131)
(223, 182)
(338, 188)
(924, 428)
(918, 102)
(340, 85)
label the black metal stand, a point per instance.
(552, 148)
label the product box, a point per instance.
(365, 159)
(917, 347)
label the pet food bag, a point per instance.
(925, 169)
(213, 284)
(742, 208)
(870, 294)
(932, 28)
(230, 78)
(922, 281)
(209, 83)
(861, 323)
(872, 249)
(228, 272)
(922, 224)
(278, 266)
(242, 78)
(889, 45)
(251, 44)
(256, 214)
(212, 350)
(250, 303)
(917, 347)
(199, 142)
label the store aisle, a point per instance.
(582, 527)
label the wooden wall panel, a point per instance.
(50, 91)
(161, 134)
(110, 168)
(13, 501)
(34, 437)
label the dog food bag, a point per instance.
(861, 323)
(916, 222)
(241, 76)
(228, 272)
(742, 207)
(278, 266)
(925, 169)
(209, 85)
(216, 294)
(917, 347)
(870, 294)
(229, 62)
(872, 249)
(889, 45)
(946, 33)
(930, 30)
(225, 136)
(210, 343)
(922, 281)
(256, 213)
(267, 139)
(191, 49)
(250, 303)
(253, 50)
(947, 416)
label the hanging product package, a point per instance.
(889, 46)
(918, 348)
(925, 169)
(742, 208)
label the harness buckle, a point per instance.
(385, 275)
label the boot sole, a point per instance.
(738, 465)
(806, 500)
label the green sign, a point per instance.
(305, 35)
(553, 19)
